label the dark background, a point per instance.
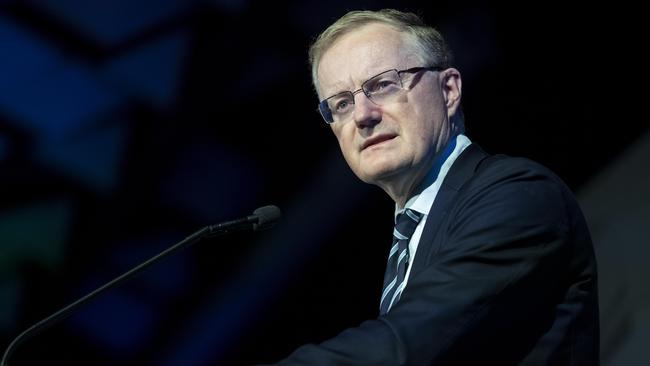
(126, 125)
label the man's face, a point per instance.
(392, 145)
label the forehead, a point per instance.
(363, 53)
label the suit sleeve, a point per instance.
(492, 277)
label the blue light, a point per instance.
(25, 57)
(92, 158)
(152, 72)
(59, 104)
(111, 22)
(119, 322)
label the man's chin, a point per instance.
(378, 175)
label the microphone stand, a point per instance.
(262, 218)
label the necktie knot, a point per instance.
(406, 223)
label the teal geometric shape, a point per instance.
(92, 158)
(36, 233)
(9, 291)
(152, 72)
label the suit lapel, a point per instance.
(459, 173)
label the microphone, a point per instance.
(262, 218)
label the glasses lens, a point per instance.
(337, 107)
(381, 88)
(325, 111)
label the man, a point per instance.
(497, 266)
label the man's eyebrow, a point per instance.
(338, 89)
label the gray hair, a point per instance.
(428, 42)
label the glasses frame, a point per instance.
(325, 110)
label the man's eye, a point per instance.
(342, 105)
(382, 85)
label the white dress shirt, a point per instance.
(422, 202)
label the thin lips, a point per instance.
(376, 139)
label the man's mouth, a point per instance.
(377, 140)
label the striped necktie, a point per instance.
(398, 259)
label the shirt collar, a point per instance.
(422, 201)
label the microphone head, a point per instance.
(267, 217)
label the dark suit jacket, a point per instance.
(504, 275)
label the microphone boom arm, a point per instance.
(67, 311)
(262, 218)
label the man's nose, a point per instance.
(366, 113)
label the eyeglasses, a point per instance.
(380, 89)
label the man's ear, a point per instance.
(451, 90)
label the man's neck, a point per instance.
(402, 191)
